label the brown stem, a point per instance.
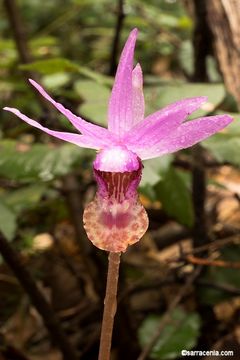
(110, 306)
(115, 45)
(50, 320)
(20, 36)
(18, 30)
(200, 230)
(202, 41)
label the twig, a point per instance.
(110, 306)
(200, 233)
(10, 352)
(8, 279)
(166, 236)
(202, 45)
(217, 244)
(18, 30)
(208, 262)
(25, 57)
(222, 287)
(50, 320)
(167, 316)
(115, 45)
(202, 41)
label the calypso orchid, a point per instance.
(116, 218)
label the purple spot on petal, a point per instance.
(119, 220)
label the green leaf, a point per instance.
(61, 65)
(93, 75)
(181, 333)
(234, 128)
(43, 41)
(51, 66)
(155, 169)
(8, 221)
(225, 146)
(95, 98)
(224, 150)
(164, 94)
(54, 81)
(175, 196)
(212, 70)
(39, 162)
(186, 57)
(24, 198)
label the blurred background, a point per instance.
(180, 284)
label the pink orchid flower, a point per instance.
(116, 218)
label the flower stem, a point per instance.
(110, 306)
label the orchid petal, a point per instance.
(115, 218)
(186, 135)
(86, 128)
(120, 102)
(77, 139)
(138, 105)
(161, 123)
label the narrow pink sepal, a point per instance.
(86, 128)
(161, 123)
(138, 104)
(120, 102)
(186, 135)
(77, 139)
